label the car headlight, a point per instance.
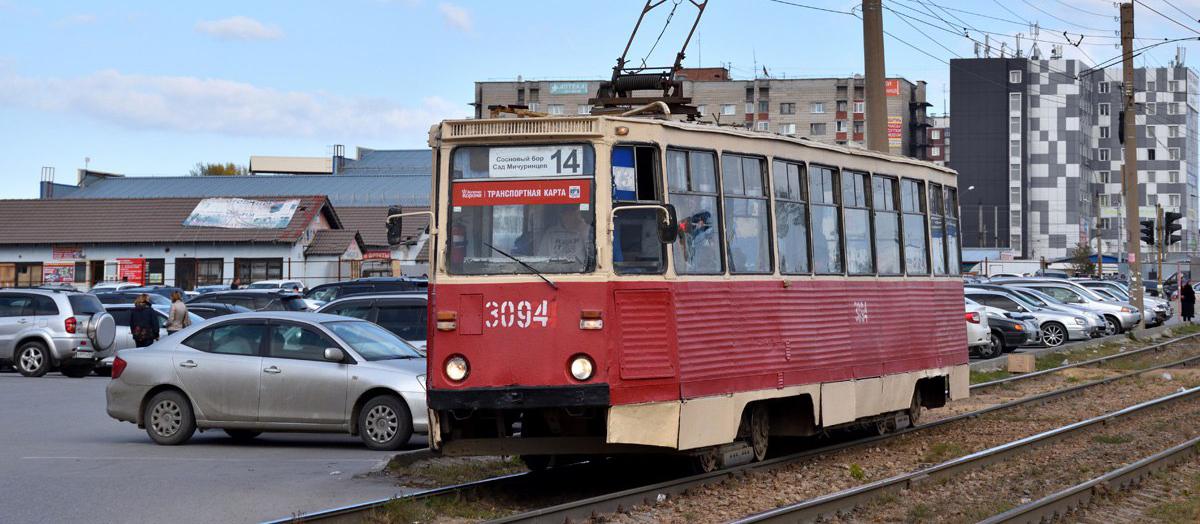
(581, 367)
(1080, 320)
(457, 368)
(1128, 310)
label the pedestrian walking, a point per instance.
(143, 322)
(177, 319)
(1187, 301)
(235, 284)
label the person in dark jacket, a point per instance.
(143, 322)
(1187, 301)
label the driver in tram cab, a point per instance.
(566, 239)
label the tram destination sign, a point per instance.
(535, 161)
(521, 192)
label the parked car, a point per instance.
(121, 314)
(1096, 320)
(215, 309)
(163, 291)
(326, 293)
(1162, 308)
(42, 329)
(257, 299)
(200, 290)
(105, 287)
(1119, 316)
(403, 314)
(286, 285)
(979, 336)
(1009, 333)
(125, 297)
(1057, 328)
(278, 371)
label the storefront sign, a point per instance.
(522, 192)
(569, 88)
(58, 272)
(892, 87)
(238, 213)
(377, 254)
(895, 131)
(66, 253)
(132, 270)
(539, 161)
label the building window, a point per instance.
(728, 109)
(1150, 85)
(887, 225)
(1151, 176)
(254, 269)
(1104, 131)
(1103, 177)
(554, 109)
(1150, 132)
(533, 95)
(1173, 200)
(1151, 108)
(787, 129)
(1014, 77)
(1103, 87)
(826, 222)
(1014, 148)
(533, 106)
(1103, 154)
(816, 128)
(702, 109)
(859, 106)
(1014, 102)
(1173, 131)
(749, 108)
(935, 151)
(1174, 152)
(1102, 109)
(791, 223)
(840, 125)
(1014, 125)
(1173, 177)
(1014, 195)
(1173, 86)
(1014, 219)
(841, 106)
(210, 271)
(1015, 241)
(747, 224)
(935, 134)
(858, 128)
(763, 126)
(155, 271)
(585, 109)
(764, 106)
(1151, 153)
(692, 182)
(816, 107)
(787, 108)
(912, 203)
(1173, 108)
(1014, 172)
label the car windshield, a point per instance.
(371, 341)
(1031, 298)
(264, 285)
(85, 304)
(522, 204)
(294, 304)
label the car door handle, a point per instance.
(272, 370)
(187, 364)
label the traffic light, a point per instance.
(1147, 231)
(1170, 227)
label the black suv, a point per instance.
(126, 297)
(326, 293)
(257, 299)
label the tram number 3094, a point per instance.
(521, 314)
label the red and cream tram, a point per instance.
(616, 284)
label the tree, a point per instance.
(1081, 260)
(218, 169)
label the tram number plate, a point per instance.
(519, 314)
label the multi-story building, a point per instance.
(938, 136)
(828, 110)
(1166, 99)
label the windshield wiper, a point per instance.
(522, 262)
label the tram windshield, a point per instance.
(513, 206)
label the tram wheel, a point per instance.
(538, 462)
(914, 410)
(760, 431)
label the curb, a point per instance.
(1001, 362)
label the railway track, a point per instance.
(619, 500)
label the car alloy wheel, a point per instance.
(32, 358)
(166, 418)
(1110, 326)
(381, 423)
(1053, 335)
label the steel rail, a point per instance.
(846, 500)
(1080, 495)
(587, 507)
(617, 501)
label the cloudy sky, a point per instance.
(151, 88)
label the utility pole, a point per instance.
(1162, 241)
(1099, 237)
(877, 133)
(1129, 166)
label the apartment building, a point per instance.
(939, 140)
(828, 110)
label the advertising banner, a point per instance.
(377, 254)
(892, 87)
(58, 272)
(895, 126)
(521, 192)
(132, 270)
(238, 213)
(569, 88)
(66, 252)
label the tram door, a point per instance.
(643, 310)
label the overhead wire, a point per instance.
(1185, 13)
(1082, 10)
(1052, 15)
(1160, 13)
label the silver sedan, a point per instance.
(274, 371)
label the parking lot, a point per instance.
(65, 460)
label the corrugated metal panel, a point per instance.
(645, 322)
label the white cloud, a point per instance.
(206, 105)
(239, 28)
(455, 16)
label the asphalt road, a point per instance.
(62, 459)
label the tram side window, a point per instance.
(953, 256)
(636, 245)
(859, 258)
(826, 221)
(692, 182)
(791, 222)
(937, 229)
(912, 203)
(887, 225)
(747, 231)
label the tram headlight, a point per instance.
(457, 368)
(582, 367)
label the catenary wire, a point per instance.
(1160, 13)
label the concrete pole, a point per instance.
(877, 137)
(1129, 166)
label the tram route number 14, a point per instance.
(520, 314)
